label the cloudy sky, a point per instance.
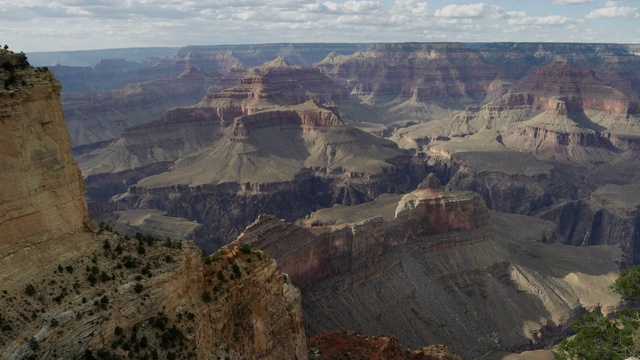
(53, 25)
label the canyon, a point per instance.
(533, 128)
(481, 196)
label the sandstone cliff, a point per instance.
(434, 266)
(41, 198)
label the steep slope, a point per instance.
(616, 64)
(69, 293)
(184, 130)
(435, 266)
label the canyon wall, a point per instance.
(42, 195)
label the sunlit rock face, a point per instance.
(42, 195)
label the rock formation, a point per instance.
(414, 82)
(273, 143)
(480, 110)
(70, 293)
(544, 130)
(434, 266)
(42, 192)
(579, 131)
(96, 118)
(340, 344)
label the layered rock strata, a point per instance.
(165, 301)
(414, 82)
(253, 148)
(42, 195)
(430, 265)
(99, 117)
(576, 130)
(323, 252)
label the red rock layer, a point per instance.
(426, 72)
(311, 254)
(341, 344)
(580, 86)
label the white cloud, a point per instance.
(516, 13)
(550, 20)
(126, 23)
(571, 2)
(610, 12)
(478, 10)
(360, 6)
(415, 7)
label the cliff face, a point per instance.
(354, 248)
(575, 132)
(257, 315)
(42, 196)
(414, 82)
(427, 72)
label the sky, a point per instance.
(60, 25)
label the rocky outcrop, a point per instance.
(608, 216)
(339, 344)
(42, 196)
(562, 79)
(164, 300)
(414, 82)
(209, 204)
(443, 263)
(612, 63)
(560, 134)
(185, 130)
(353, 248)
(179, 132)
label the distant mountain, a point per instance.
(93, 57)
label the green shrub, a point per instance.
(30, 290)
(245, 248)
